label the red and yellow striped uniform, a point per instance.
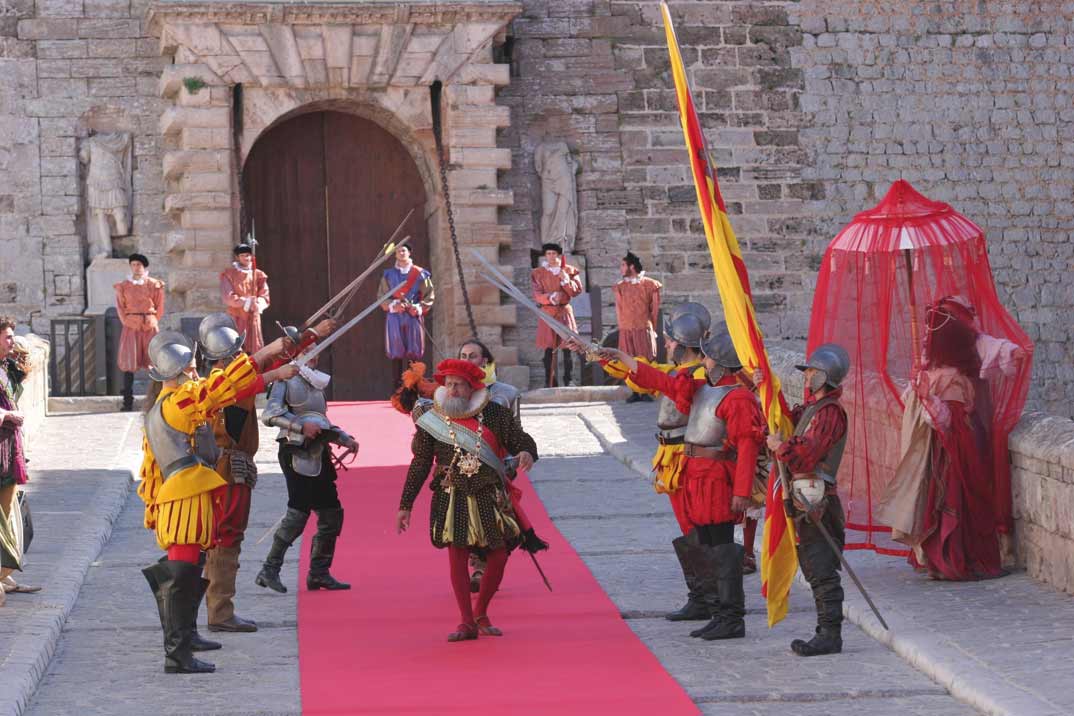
(180, 510)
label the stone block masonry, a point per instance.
(970, 102)
(596, 75)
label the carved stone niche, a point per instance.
(106, 153)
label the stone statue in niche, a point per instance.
(559, 194)
(108, 189)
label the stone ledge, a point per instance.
(576, 394)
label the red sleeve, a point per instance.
(802, 452)
(680, 388)
(258, 386)
(309, 337)
(745, 433)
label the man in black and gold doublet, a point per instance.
(467, 436)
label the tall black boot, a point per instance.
(176, 585)
(291, 526)
(323, 549)
(568, 364)
(695, 608)
(707, 575)
(820, 567)
(732, 610)
(197, 643)
(128, 392)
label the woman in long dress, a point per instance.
(941, 500)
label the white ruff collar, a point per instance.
(237, 265)
(405, 268)
(140, 281)
(633, 279)
(478, 401)
(555, 269)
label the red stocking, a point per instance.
(458, 559)
(749, 533)
(495, 562)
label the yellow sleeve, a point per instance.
(192, 403)
(618, 370)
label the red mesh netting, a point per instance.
(878, 277)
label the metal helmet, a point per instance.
(169, 353)
(830, 359)
(719, 348)
(694, 308)
(686, 329)
(290, 332)
(218, 337)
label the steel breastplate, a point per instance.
(703, 427)
(303, 398)
(669, 418)
(828, 466)
(172, 448)
(205, 447)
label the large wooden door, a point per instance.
(325, 190)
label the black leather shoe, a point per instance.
(826, 641)
(692, 611)
(270, 577)
(234, 624)
(324, 581)
(190, 666)
(199, 643)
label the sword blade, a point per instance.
(558, 328)
(785, 482)
(539, 570)
(344, 301)
(320, 347)
(385, 253)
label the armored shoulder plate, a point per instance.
(503, 393)
(703, 427)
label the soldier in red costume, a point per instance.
(723, 436)
(812, 455)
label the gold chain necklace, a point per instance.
(467, 463)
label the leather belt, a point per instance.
(676, 440)
(710, 453)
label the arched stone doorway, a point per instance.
(325, 190)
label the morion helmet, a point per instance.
(691, 307)
(719, 347)
(686, 329)
(830, 359)
(169, 353)
(218, 337)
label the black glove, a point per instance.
(531, 542)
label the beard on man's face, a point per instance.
(455, 407)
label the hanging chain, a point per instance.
(437, 134)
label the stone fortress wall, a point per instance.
(812, 108)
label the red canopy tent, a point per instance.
(879, 275)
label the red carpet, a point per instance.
(380, 648)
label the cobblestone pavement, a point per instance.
(109, 659)
(1002, 645)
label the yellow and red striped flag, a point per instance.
(779, 560)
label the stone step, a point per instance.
(576, 394)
